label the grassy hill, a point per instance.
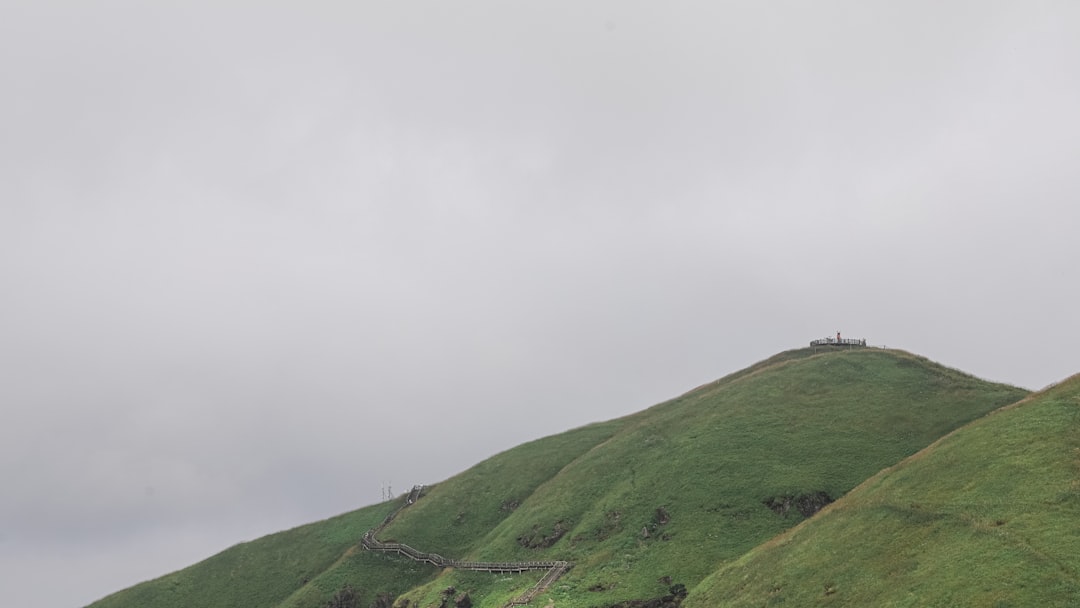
(987, 516)
(662, 497)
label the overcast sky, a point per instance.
(246, 251)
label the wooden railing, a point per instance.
(839, 342)
(555, 569)
(541, 585)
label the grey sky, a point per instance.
(247, 250)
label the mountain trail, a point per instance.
(555, 569)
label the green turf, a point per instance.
(986, 517)
(260, 573)
(664, 496)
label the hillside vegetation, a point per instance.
(640, 504)
(985, 517)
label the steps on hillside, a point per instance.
(555, 569)
(549, 578)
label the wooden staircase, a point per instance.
(555, 569)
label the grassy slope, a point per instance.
(795, 424)
(305, 566)
(259, 573)
(709, 458)
(453, 515)
(985, 517)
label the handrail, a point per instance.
(555, 569)
(839, 342)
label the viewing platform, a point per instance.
(839, 342)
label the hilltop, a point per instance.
(644, 506)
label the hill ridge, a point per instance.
(982, 516)
(929, 449)
(628, 500)
(791, 357)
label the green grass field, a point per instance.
(988, 516)
(670, 495)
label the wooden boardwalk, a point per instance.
(555, 569)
